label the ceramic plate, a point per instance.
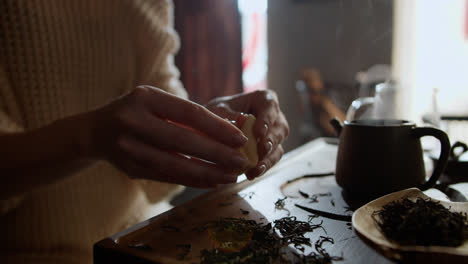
(366, 228)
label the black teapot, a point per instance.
(379, 156)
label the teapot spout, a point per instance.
(337, 125)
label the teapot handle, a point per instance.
(444, 152)
(358, 107)
(457, 145)
(337, 125)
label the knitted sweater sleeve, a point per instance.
(10, 122)
(157, 44)
(10, 118)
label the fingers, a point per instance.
(224, 110)
(275, 136)
(168, 106)
(266, 109)
(142, 161)
(271, 127)
(170, 137)
(162, 137)
(266, 163)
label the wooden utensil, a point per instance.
(366, 228)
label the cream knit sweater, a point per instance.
(63, 57)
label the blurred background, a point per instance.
(325, 58)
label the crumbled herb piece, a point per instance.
(249, 195)
(244, 212)
(350, 226)
(313, 199)
(319, 243)
(312, 217)
(322, 256)
(422, 222)
(332, 202)
(348, 209)
(280, 203)
(346, 218)
(303, 194)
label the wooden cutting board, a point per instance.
(177, 236)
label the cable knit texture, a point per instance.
(59, 58)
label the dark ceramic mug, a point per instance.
(378, 156)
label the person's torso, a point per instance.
(62, 58)
(65, 57)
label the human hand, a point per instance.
(151, 134)
(271, 127)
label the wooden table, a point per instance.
(252, 200)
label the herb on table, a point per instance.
(244, 212)
(348, 209)
(263, 244)
(345, 218)
(322, 257)
(313, 199)
(293, 231)
(312, 217)
(303, 194)
(319, 243)
(280, 203)
(249, 195)
(422, 222)
(256, 243)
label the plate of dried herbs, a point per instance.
(411, 227)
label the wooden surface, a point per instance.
(181, 225)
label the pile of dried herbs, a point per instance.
(261, 247)
(292, 231)
(263, 244)
(422, 222)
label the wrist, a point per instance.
(80, 128)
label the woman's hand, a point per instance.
(271, 127)
(151, 134)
